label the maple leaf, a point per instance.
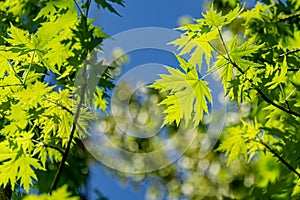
(278, 78)
(16, 165)
(239, 53)
(197, 46)
(213, 18)
(188, 94)
(239, 140)
(18, 37)
(104, 4)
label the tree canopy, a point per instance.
(47, 106)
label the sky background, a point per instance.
(137, 14)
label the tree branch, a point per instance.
(293, 69)
(50, 146)
(288, 53)
(288, 17)
(282, 160)
(260, 92)
(10, 85)
(76, 117)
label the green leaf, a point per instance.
(240, 54)
(213, 18)
(99, 100)
(104, 4)
(239, 141)
(17, 166)
(296, 189)
(197, 46)
(279, 77)
(187, 94)
(267, 168)
(53, 7)
(18, 36)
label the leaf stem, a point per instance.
(30, 65)
(16, 74)
(223, 42)
(10, 85)
(217, 50)
(78, 7)
(209, 72)
(293, 69)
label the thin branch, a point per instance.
(50, 146)
(76, 118)
(288, 17)
(293, 69)
(282, 160)
(11, 85)
(62, 106)
(223, 42)
(288, 53)
(16, 74)
(260, 92)
(30, 65)
(217, 50)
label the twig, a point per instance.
(288, 17)
(293, 69)
(54, 147)
(282, 160)
(288, 53)
(76, 117)
(260, 92)
(30, 65)
(11, 85)
(62, 106)
(50, 146)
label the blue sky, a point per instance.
(137, 14)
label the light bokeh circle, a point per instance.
(99, 145)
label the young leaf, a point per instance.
(215, 19)
(279, 78)
(239, 140)
(197, 46)
(17, 166)
(188, 94)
